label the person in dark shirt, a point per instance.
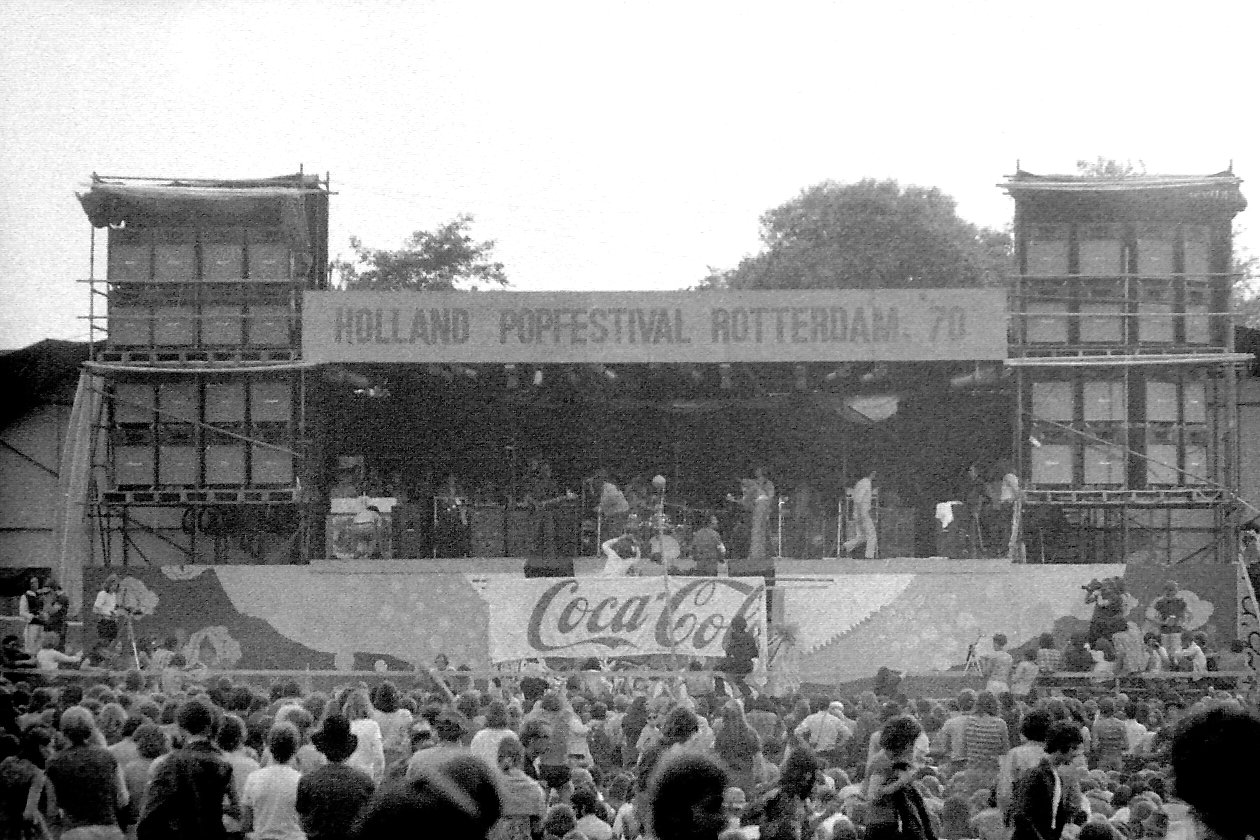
(458, 798)
(58, 609)
(330, 798)
(1213, 763)
(192, 788)
(86, 781)
(741, 649)
(12, 656)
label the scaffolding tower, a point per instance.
(200, 452)
(1122, 344)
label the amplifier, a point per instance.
(222, 253)
(487, 531)
(268, 465)
(134, 457)
(268, 255)
(271, 400)
(175, 254)
(134, 402)
(518, 533)
(225, 402)
(130, 255)
(225, 463)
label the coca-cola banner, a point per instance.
(623, 616)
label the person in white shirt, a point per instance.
(824, 731)
(1192, 657)
(864, 524)
(369, 756)
(998, 666)
(48, 658)
(105, 608)
(269, 805)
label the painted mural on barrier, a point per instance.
(920, 617)
(297, 617)
(846, 619)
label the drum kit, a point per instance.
(665, 538)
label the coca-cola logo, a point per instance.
(694, 615)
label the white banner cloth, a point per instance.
(583, 617)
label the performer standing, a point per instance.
(863, 499)
(613, 507)
(1171, 608)
(707, 549)
(105, 608)
(758, 499)
(31, 608)
(58, 610)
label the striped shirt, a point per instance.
(1110, 737)
(985, 741)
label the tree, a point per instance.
(1245, 301)
(868, 235)
(442, 260)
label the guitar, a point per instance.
(568, 496)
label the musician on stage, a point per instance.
(106, 610)
(707, 549)
(758, 500)
(863, 499)
(58, 611)
(613, 508)
(452, 527)
(31, 608)
(542, 495)
(620, 555)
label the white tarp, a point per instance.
(595, 617)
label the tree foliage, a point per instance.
(871, 234)
(445, 259)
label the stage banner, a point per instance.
(624, 616)
(791, 325)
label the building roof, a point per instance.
(42, 373)
(1023, 181)
(179, 201)
(1218, 192)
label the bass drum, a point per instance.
(664, 549)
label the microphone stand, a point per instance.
(669, 603)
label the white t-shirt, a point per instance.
(863, 493)
(50, 659)
(271, 794)
(369, 756)
(106, 603)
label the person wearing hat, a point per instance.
(330, 798)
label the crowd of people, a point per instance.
(596, 755)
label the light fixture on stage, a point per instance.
(876, 373)
(609, 374)
(870, 409)
(440, 371)
(538, 377)
(513, 381)
(725, 371)
(841, 372)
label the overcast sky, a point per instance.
(602, 145)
